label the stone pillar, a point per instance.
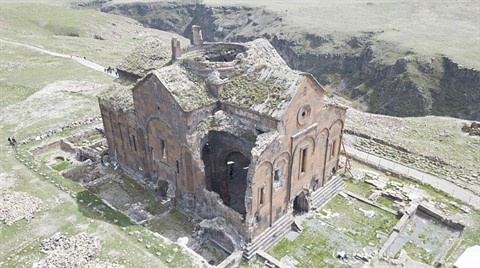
(176, 50)
(197, 39)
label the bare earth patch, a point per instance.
(15, 206)
(6, 182)
(66, 101)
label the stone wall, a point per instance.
(304, 157)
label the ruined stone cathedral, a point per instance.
(228, 133)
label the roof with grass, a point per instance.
(250, 75)
(152, 54)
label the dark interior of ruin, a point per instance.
(225, 54)
(226, 168)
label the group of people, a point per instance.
(12, 141)
(110, 70)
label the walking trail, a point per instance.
(436, 182)
(83, 61)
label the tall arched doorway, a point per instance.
(226, 168)
(300, 204)
(237, 168)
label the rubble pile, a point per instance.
(398, 192)
(102, 264)
(473, 129)
(15, 206)
(63, 251)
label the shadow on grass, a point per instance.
(93, 207)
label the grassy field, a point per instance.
(429, 135)
(40, 92)
(100, 37)
(423, 27)
(349, 230)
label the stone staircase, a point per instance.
(322, 195)
(283, 225)
(269, 237)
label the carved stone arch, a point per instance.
(322, 145)
(334, 139)
(267, 165)
(151, 118)
(281, 170)
(337, 125)
(307, 144)
(308, 141)
(322, 135)
(263, 193)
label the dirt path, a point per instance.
(436, 182)
(83, 61)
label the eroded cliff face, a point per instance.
(386, 80)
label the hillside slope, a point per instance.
(389, 68)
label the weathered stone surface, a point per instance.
(63, 251)
(15, 206)
(228, 131)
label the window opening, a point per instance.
(276, 176)
(134, 143)
(334, 145)
(152, 152)
(261, 196)
(163, 149)
(303, 160)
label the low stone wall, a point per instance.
(43, 149)
(211, 206)
(408, 213)
(232, 261)
(48, 133)
(441, 217)
(85, 134)
(61, 144)
(395, 146)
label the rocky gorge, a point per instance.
(374, 76)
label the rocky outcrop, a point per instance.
(406, 86)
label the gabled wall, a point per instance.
(301, 158)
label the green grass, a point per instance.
(405, 25)
(386, 202)
(470, 237)
(22, 67)
(434, 194)
(25, 72)
(359, 187)
(418, 253)
(316, 244)
(75, 32)
(363, 228)
(310, 249)
(84, 213)
(61, 166)
(172, 221)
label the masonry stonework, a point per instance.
(227, 131)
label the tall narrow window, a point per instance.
(334, 146)
(152, 152)
(303, 160)
(261, 196)
(178, 167)
(276, 176)
(134, 143)
(163, 149)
